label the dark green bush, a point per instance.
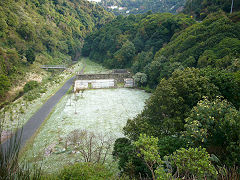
(30, 55)
(31, 95)
(30, 86)
(4, 85)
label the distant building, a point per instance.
(95, 1)
(122, 8)
(112, 7)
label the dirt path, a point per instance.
(37, 119)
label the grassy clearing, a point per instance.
(103, 111)
(92, 67)
(20, 111)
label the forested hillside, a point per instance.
(43, 31)
(142, 6)
(189, 127)
(200, 9)
(132, 41)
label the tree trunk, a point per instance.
(231, 7)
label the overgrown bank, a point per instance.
(37, 32)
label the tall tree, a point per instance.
(231, 7)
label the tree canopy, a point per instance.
(46, 31)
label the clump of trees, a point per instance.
(193, 68)
(133, 40)
(187, 130)
(200, 9)
(158, 44)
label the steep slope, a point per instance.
(120, 43)
(215, 42)
(142, 6)
(200, 9)
(43, 32)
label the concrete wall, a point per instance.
(94, 84)
(119, 77)
(98, 81)
(128, 82)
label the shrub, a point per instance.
(30, 55)
(26, 31)
(3, 24)
(215, 125)
(30, 85)
(128, 161)
(4, 85)
(193, 163)
(140, 78)
(82, 171)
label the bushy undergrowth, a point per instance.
(30, 85)
(85, 171)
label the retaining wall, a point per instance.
(119, 77)
(94, 84)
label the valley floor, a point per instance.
(103, 112)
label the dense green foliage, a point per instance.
(193, 68)
(170, 104)
(193, 163)
(132, 41)
(148, 149)
(4, 84)
(201, 8)
(129, 163)
(215, 125)
(46, 31)
(143, 6)
(186, 61)
(30, 85)
(215, 42)
(227, 82)
(85, 171)
(184, 163)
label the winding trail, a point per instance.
(28, 130)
